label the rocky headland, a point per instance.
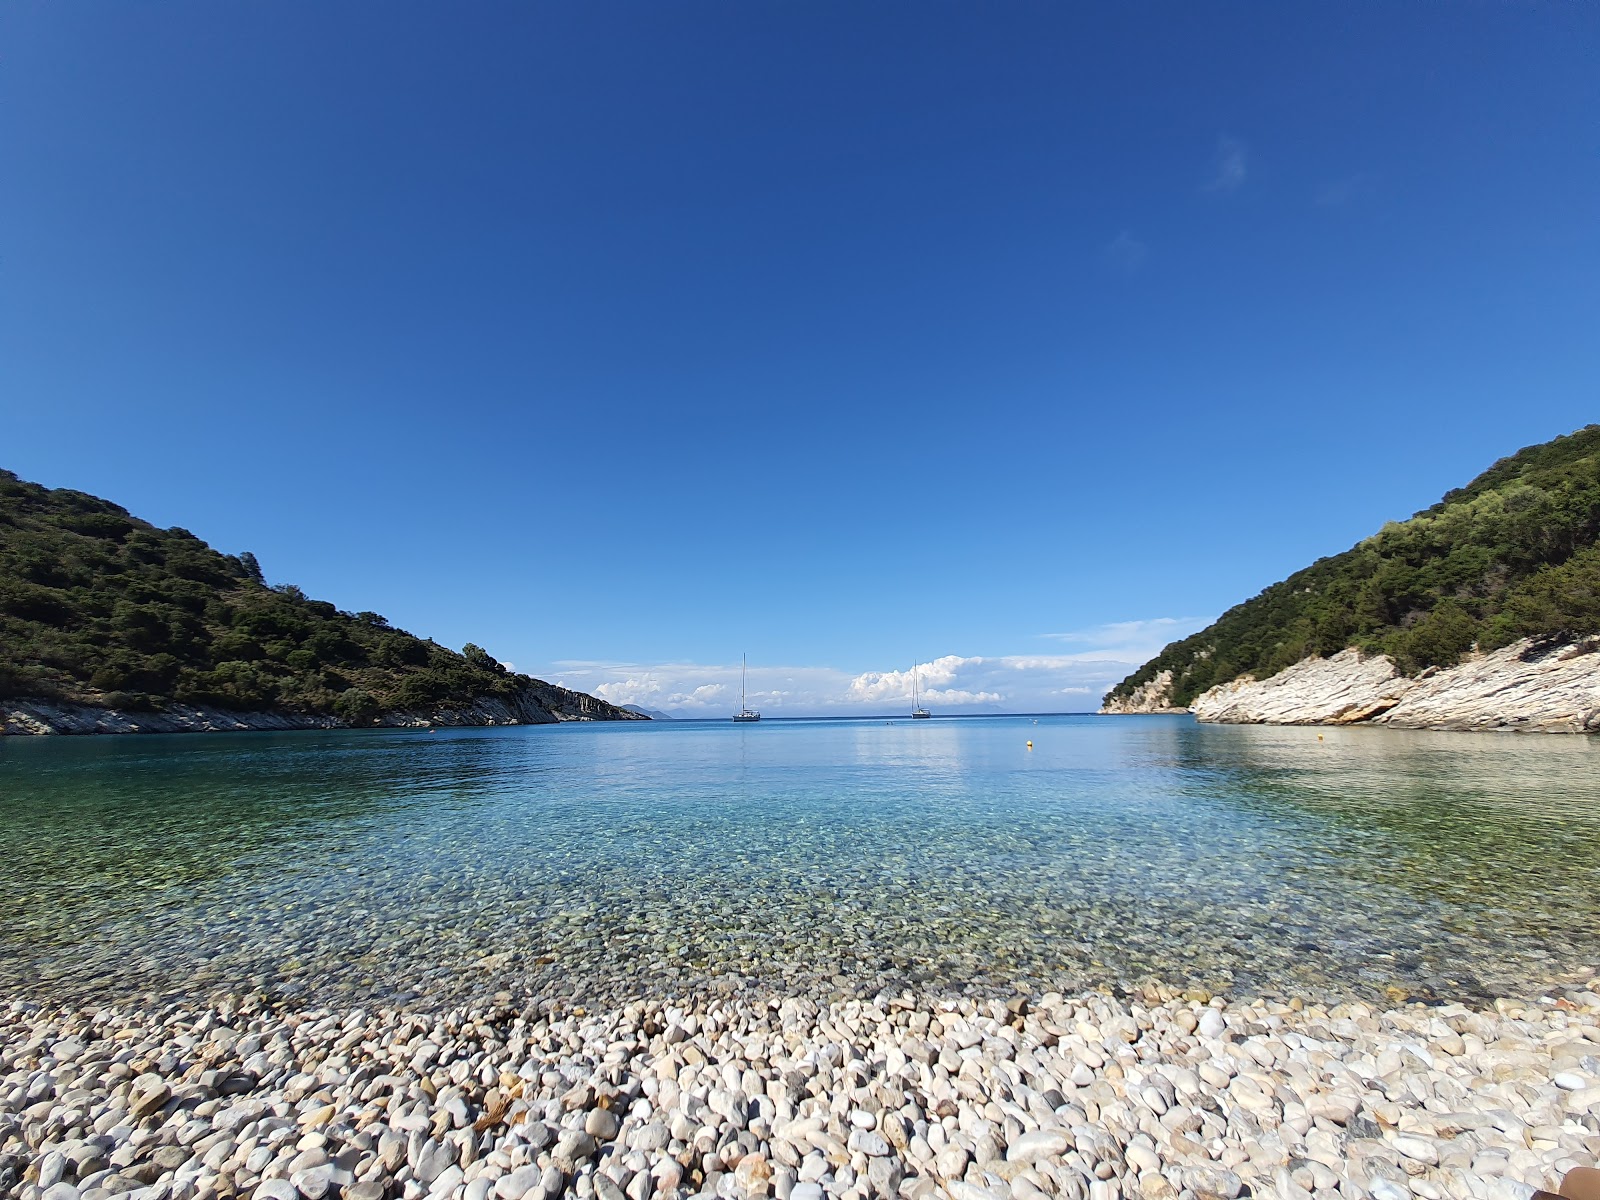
(111, 625)
(1152, 696)
(1530, 686)
(541, 704)
(1159, 1096)
(1479, 613)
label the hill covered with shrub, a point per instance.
(1514, 554)
(100, 608)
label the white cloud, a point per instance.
(1072, 681)
(1125, 253)
(1228, 168)
(1135, 640)
(1344, 191)
(938, 680)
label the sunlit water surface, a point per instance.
(823, 857)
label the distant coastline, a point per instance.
(537, 704)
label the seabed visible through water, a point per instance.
(819, 859)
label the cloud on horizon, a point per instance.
(1072, 681)
(1229, 167)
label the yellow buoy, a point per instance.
(1030, 745)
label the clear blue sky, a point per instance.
(643, 335)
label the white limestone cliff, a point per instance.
(1527, 686)
(1154, 696)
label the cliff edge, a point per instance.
(1529, 686)
(1481, 612)
(1152, 696)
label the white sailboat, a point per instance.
(917, 711)
(745, 713)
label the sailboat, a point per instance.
(745, 713)
(917, 711)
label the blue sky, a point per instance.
(624, 338)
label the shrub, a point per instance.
(356, 706)
(1515, 553)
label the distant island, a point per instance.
(110, 625)
(1481, 612)
(654, 714)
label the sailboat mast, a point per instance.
(744, 666)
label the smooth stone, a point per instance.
(1040, 1143)
(51, 1168)
(651, 1137)
(961, 1190)
(448, 1181)
(1416, 1148)
(871, 1144)
(434, 1161)
(1211, 1183)
(517, 1183)
(149, 1093)
(573, 1146)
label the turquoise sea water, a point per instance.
(820, 856)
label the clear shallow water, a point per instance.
(825, 857)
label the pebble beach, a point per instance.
(1153, 1096)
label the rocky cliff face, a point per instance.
(1152, 697)
(539, 703)
(1527, 686)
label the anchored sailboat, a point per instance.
(745, 713)
(917, 711)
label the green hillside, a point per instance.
(101, 608)
(1514, 554)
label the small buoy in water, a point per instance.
(1319, 737)
(1030, 745)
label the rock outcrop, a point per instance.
(1152, 697)
(1528, 686)
(539, 703)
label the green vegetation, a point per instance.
(98, 607)
(1514, 554)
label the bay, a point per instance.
(824, 858)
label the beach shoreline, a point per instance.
(1159, 1096)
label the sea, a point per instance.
(598, 862)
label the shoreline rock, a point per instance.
(1526, 687)
(1164, 1097)
(538, 704)
(1154, 696)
